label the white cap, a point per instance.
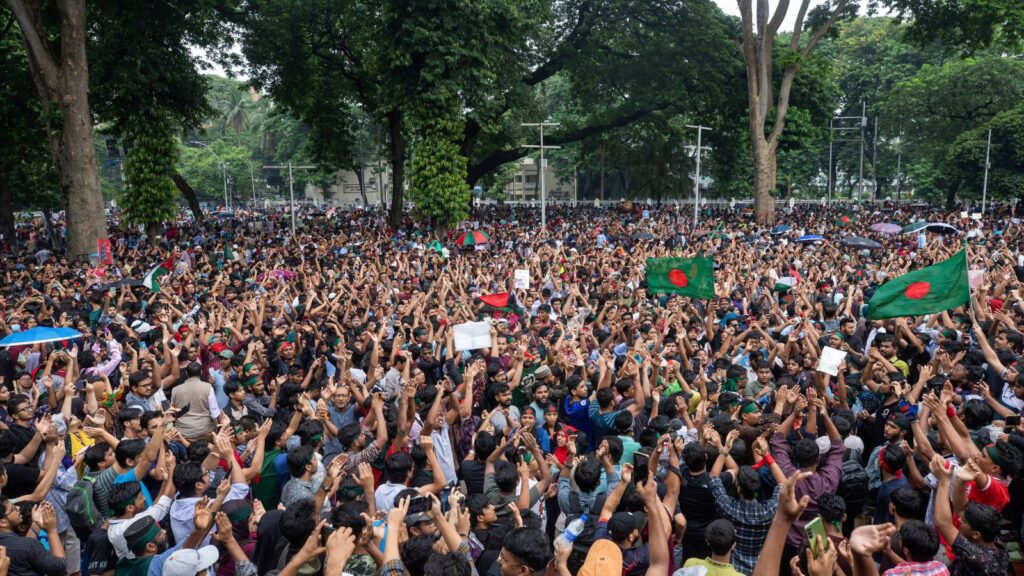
(186, 561)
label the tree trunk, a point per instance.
(62, 81)
(951, 195)
(361, 177)
(397, 152)
(190, 197)
(7, 229)
(764, 181)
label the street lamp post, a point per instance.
(543, 208)
(984, 184)
(696, 181)
(291, 188)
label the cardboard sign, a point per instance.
(472, 336)
(522, 279)
(830, 360)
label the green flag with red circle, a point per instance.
(694, 277)
(926, 291)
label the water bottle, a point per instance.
(574, 529)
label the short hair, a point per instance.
(348, 434)
(908, 503)
(298, 521)
(450, 564)
(349, 515)
(806, 453)
(16, 399)
(397, 467)
(505, 476)
(417, 551)
(147, 417)
(983, 519)
(976, 414)
(95, 454)
(231, 386)
(605, 397)
(748, 482)
(298, 458)
(123, 495)
(831, 507)
(623, 421)
(920, 540)
(529, 545)
(588, 474)
(308, 432)
(186, 475)
(894, 457)
(1009, 458)
(721, 535)
(615, 448)
(477, 503)
(128, 450)
(695, 457)
(484, 445)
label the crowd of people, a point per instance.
(306, 404)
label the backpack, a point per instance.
(853, 482)
(81, 506)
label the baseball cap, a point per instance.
(621, 524)
(186, 561)
(604, 557)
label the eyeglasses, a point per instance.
(504, 558)
(23, 409)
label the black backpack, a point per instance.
(853, 482)
(81, 506)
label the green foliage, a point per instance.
(437, 183)
(27, 175)
(150, 196)
(965, 162)
(967, 24)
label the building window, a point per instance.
(531, 179)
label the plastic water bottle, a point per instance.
(574, 529)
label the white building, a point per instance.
(525, 186)
(345, 189)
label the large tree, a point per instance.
(54, 38)
(767, 106)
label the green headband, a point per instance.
(993, 455)
(122, 505)
(247, 366)
(250, 382)
(315, 437)
(750, 408)
(148, 537)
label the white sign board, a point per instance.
(830, 360)
(522, 279)
(472, 336)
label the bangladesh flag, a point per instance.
(692, 277)
(164, 268)
(933, 289)
(503, 301)
(846, 218)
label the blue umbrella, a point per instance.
(781, 229)
(38, 335)
(810, 238)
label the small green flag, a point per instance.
(694, 277)
(933, 289)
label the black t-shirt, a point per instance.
(473, 474)
(21, 480)
(100, 552)
(22, 436)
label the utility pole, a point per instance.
(874, 164)
(863, 125)
(224, 170)
(696, 181)
(253, 179)
(542, 147)
(291, 187)
(899, 166)
(984, 185)
(575, 184)
(831, 138)
(837, 124)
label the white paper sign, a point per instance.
(472, 336)
(522, 279)
(830, 360)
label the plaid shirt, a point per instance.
(396, 568)
(752, 519)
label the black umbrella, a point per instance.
(941, 228)
(860, 243)
(643, 236)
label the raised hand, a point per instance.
(789, 507)
(871, 538)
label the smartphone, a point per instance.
(812, 530)
(325, 534)
(420, 504)
(1012, 421)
